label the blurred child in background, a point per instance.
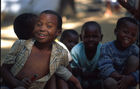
(85, 56)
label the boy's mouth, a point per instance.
(126, 40)
(42, 36)
(91, 45)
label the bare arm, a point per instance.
(75, 82)
(62, 84)
(8, 78)
(126, 81)
(116, 75)
(132, 10)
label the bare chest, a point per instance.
(37, 63)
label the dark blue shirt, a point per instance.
(112, 59)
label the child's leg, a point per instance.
(61, 84)
(132, 64)
(51, 84)
(110, 83)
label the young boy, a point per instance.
(30, 63)
(85, 56)
(118, 63)
(70, 38)
(24, 25)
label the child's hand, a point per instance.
(116, 76)
(26, 82)
(17, 83)
(125, 82)
(76, 82)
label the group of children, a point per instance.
(39, 61)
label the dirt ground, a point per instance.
(85, 12)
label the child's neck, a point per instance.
(90, 53)
(118, 46)
(43, 46)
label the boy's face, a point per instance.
(127, 34)
(46, 29)
(91, 36)
(70, 41)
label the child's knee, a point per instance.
(132, 63)
(110, 83)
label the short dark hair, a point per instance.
(59, 18)
(85, 25)
(123, 20)
(24, 25)
(66, 32)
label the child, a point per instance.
(85, 56)
(119, 61)
(70, 38)
(133, 10)
(24, 25)
(32, 62)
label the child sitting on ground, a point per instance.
(85, 56)
(23, 27)
(30, 63)
(118, 63)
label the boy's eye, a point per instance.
(39, 24)
(125, 31)
(93, 36)
(48, 26)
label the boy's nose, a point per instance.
(42, 28)
(92, 39)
